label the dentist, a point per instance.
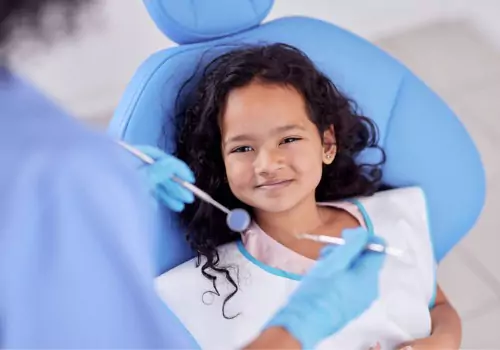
(76, 266)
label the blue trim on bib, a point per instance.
(267, 268)
(293, 276)
(366, 217)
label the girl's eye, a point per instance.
(242, 149)
(290, 139)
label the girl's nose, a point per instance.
(268, 162)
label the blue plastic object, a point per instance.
(194, 21)
(425, 142)
(238, 220)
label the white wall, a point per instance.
(368, 18)
(88, 73)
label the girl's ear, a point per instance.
(329, 145)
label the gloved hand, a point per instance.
(339, 288)
(159, 176)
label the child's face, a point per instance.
(272, 152)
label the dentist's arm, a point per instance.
(345, 278)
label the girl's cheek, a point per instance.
(238, 172)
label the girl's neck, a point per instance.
(283, 226)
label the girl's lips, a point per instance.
(274, 184)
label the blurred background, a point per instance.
(453, 45)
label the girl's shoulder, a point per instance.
(408, 203)
(387, 197)
(406, 198)
(402, 192)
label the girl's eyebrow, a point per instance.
(280, 129)
(238, 138)
(289, 127)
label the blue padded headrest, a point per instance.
(195, 21)
(426, 144)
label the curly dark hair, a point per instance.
(198, 140)
(30, 16)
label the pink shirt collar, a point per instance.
(272, 253)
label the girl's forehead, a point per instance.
(259, 107)
(264, 121)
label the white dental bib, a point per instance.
(400, 314)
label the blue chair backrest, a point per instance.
(426, 144)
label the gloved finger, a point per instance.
(172, 203)
(326, 251)
(330, 248)
(175, 190)
(177, 194)
(161, 173)
(342, 257)
(377, 240)
(153, 152)
(171, 163)
(370, 262)
(181, 170)
(157, 175)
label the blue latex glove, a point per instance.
(159, 176)
(339, 288)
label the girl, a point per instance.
(267, 131)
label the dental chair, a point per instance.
(425, 142)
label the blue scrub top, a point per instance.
(76, 236)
